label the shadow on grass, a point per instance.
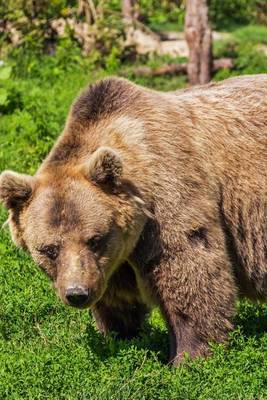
(151, 339)
(252, 319)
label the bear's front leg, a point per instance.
(121, 309)
(196, 291)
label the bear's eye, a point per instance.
(51, 251)
(96, 243)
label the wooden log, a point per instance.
(168, 69)
(174, 69)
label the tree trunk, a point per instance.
(199, 38)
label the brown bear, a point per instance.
(153, 199)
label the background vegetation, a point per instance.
(50, 351)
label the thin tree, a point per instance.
(129, 11)
(199, 39)
(87, 8)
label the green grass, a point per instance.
(50, 351)
(252, 33)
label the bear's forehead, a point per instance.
(61, 210)
(67, 209)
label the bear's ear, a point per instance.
(15, 189)
(104, 167)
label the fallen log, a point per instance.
(174, 69)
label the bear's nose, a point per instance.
(77, 296)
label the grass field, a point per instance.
(50, 351)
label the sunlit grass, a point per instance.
(50, 351)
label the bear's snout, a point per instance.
(78, 296)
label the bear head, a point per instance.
(78, 222)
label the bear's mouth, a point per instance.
(81, 307)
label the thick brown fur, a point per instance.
(154, 199)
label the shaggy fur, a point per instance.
(154, 199)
